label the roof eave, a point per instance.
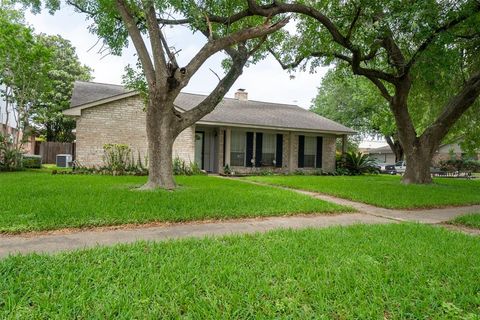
(278, 128)
(77, 110)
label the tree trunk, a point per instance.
(49, 131)
(418, 156)
(161, 133)
(396, 147)
(418, 168)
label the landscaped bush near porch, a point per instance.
(39, 201)
(401, 271)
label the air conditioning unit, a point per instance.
(64, 160)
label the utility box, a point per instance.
(64, 160)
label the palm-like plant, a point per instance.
(358, 163)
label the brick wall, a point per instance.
(290, 155)
(122, 121)
(328, 149)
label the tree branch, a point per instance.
(213, 99)
(454, 109)
(354, 21)
(395, 55)
(216, 45)
(171, 55)
(383, 90)
(156, 36)
(426, 43)
(136, 36)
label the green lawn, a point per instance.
(402, 271)
(469, 220)
(385, 191)
(40, 201)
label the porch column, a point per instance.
(228, 135)
(291, 153)
(344, 146)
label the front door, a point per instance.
(199, 148)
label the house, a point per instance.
(444, 152)
(382, 154)
(9, 126)
(246, 135)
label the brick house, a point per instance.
(246, 135)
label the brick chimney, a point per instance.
(241, 95)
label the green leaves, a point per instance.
(38, 71)
(354, 102)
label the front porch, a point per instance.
(246, 150)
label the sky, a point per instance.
(265, 81)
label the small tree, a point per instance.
(354, 102)
(66, 68)
(24, 67)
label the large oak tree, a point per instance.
(386, 41)
(143, 21)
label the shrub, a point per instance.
(342, 172)
(461, 165)
(181, 168)
(356, 163)
(32, 161)
(265, 172)
(117, 158)
(10, 155)
(227, 170)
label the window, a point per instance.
(309, 152)
(268, 149)
(237, 149)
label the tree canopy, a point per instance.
(38, 72)
(66, 69)
(399, 47)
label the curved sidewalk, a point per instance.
(80, 239)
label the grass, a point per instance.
(469, 220)
(39, 201)
(385, 191)
(405, 271)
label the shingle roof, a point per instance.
(229, 111)
(384, 149)
(87, 92)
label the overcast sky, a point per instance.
(265, 81)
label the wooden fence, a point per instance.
(49, 150)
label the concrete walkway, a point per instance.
(79, 239)
(84, 239)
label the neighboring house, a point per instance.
(445, 152)
(7, 121)
(8, 125)
(371, 143)
(244, 134)
(383, 154)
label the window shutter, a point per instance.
(318, 163)
(279, 151)
(301, 150)
(258, 149)
(224, 146)
(249, 151)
